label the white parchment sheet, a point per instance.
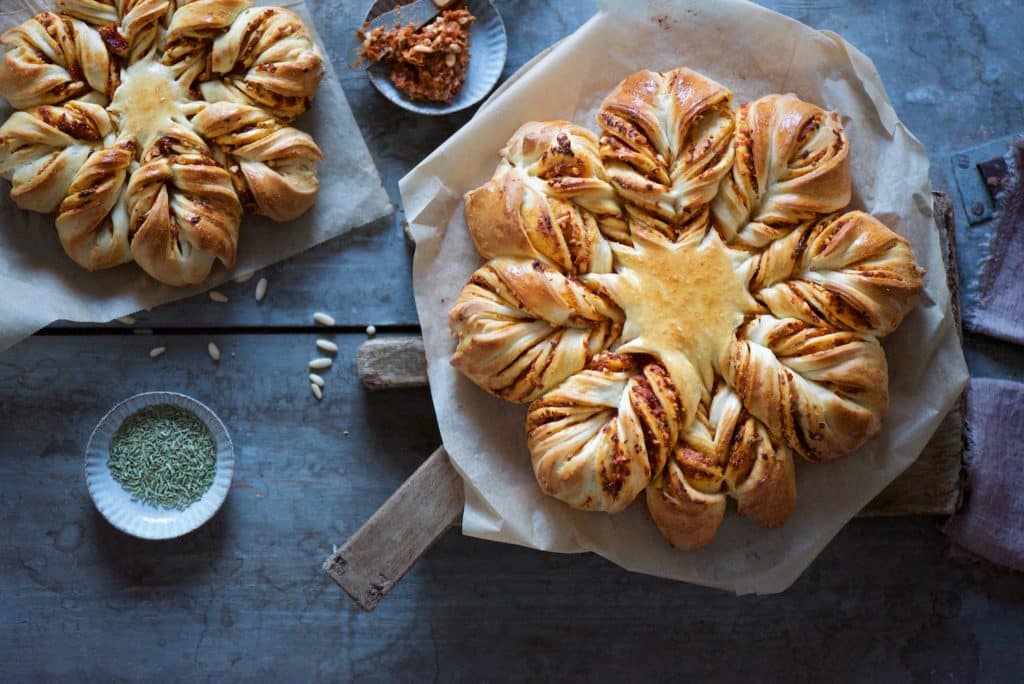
(754, 52)
(39, 284)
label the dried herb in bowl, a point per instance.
(163, 455)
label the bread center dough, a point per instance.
(150, 103)
(682, 303)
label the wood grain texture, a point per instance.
(379, 554)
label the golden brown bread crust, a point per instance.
(821, 391)
(523, 327)
(667, 141)
(192, 28)
(546, 199)
(266, 58)
(92, 221)
(844, 271)
(182, 211)
(51, 59)
(273, 166)
(112, 133)
(683, 303)
(724, 453)
(792, 164)
(598, 438)
(42, 150)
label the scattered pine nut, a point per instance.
(323, 319)
(218, 297)
(317, 392)
(245, 277)
(327, 346)
(214, 351)
(317, 379)
(126, 320)
(156, 351)
(320, 363)
(261, 289)
(371, 330)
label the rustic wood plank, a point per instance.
(369, 564)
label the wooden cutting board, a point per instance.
(369, 564)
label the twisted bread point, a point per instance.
(273, 166)
(129, 28)
(820, 391)
(792, 163)
(266, 58)
(597, 439)
(849, 272)
(42, 149)
(51, 59)
(667, 143)
(548, 199)
(95, 12)
(523, 327)
(724, 452)
(193, 25)
(92, 221)
(183, 212)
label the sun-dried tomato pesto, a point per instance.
(428, 63)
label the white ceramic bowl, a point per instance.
(488, 48)
(141, 519)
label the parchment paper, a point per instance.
(754, 52)
(40, 284)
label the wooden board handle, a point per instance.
(372, 561)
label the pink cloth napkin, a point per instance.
(991, 522)
(1000, 309)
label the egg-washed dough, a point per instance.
(683, 301)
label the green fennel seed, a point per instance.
(163, 455)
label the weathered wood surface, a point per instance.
(245, 597)
(378, 555)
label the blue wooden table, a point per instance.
(245, 597)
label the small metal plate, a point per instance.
(971, 168)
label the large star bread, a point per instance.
(683, 301)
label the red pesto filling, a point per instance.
(428, 63)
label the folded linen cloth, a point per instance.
(1000, 309)
(991, 522)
